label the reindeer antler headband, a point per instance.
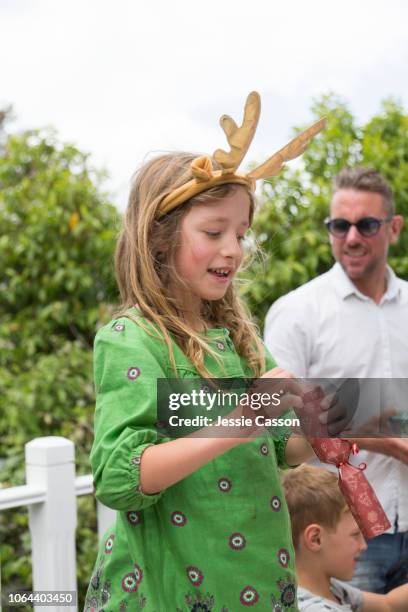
(239, 139)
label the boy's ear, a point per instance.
(312, 536)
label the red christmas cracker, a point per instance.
(357, 491)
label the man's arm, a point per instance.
(394, 601)
(393, 447)
(299, 450)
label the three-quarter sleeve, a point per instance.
(127, 364)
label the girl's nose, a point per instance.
(231, 248)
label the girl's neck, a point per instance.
(198, 324)
(193, 317)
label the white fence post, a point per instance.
(50, 464)
(105, 517)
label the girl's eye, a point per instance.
(217, 234)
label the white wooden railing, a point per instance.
(50, 494)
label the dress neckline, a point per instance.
(211, 331)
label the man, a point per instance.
(352, 322)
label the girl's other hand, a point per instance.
(282, 383)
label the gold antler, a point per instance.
(239, 138)
(293, 149)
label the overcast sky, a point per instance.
(124, 78)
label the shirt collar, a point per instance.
(345, 287)
(393, 288)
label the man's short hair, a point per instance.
(313, 496)
(366, 179)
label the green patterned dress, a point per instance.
(220, 539)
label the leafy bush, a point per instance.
(56, 284)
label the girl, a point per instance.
(202, 522)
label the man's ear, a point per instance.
(396, 225)
(312, 537)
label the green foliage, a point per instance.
(289, 225)
(56, 281)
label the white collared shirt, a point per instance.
(328, 329)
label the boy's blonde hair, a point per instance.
(145, 265)
(313, 496)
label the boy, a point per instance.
(327, 542)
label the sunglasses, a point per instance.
(367, 226)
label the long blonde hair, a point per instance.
(145, 270)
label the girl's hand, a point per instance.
(282, 383)
(271, 395)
